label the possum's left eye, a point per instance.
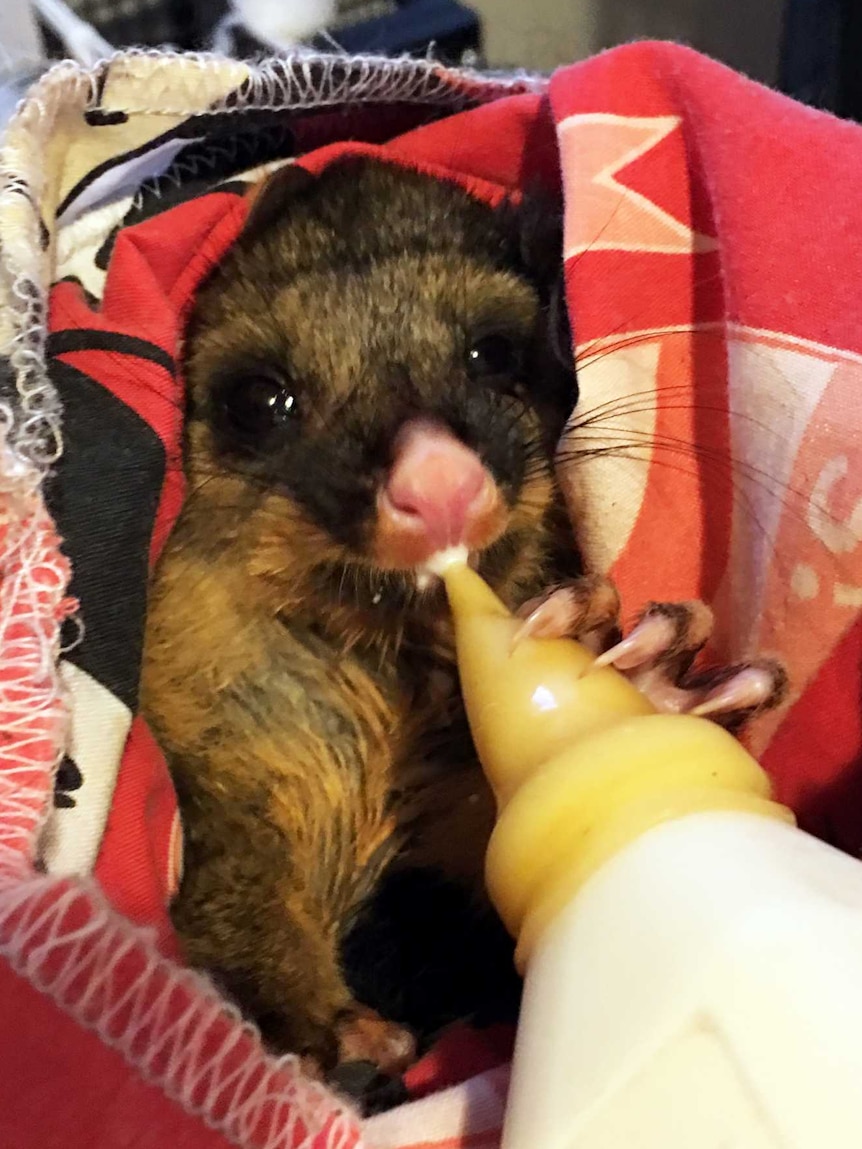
(493, 355)
(253, 406)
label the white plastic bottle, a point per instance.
(703, 990)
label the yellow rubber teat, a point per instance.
(578, 758)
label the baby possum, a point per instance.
(378, 368)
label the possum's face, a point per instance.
(372, 376)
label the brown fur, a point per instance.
(307, 698)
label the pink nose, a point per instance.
(438, 487)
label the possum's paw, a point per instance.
(658, 653)
(364, 1036)
(657, 656)
(587, 609)
(372, 1054)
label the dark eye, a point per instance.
(256, 405)
(493, 355)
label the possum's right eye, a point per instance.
(252, 407)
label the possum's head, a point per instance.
(379, 368)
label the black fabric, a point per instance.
(103, 497)
(91, 339)
(8, 390)
(444, 27)
(67, 780)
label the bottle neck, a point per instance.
(594, 799)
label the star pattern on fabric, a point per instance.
(603, 214)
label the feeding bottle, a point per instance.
(692, 960)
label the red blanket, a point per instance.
(713, 267)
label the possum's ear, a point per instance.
(271, 197)
(536, 225)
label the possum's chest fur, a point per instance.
(330, 765)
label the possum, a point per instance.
(378, 368)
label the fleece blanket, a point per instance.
(713, 258)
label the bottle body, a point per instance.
(702, 990)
